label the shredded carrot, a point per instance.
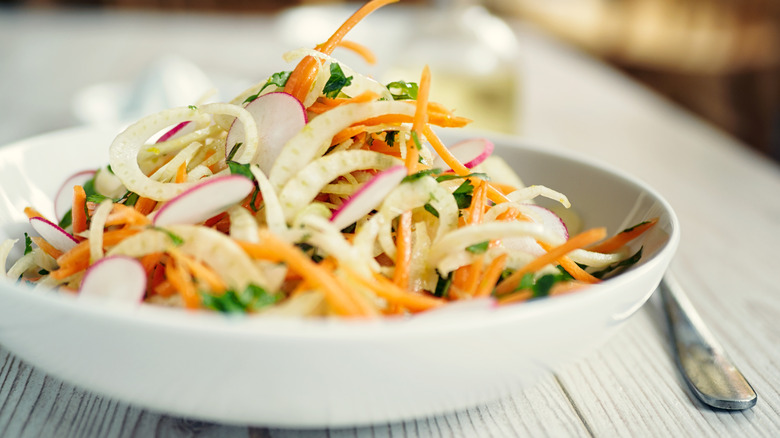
(46, 247)
(491, 276)
(150, 261)
(622, 238)
(31, 213)
(347, 133)
(572, 268)
(181, 173)
(77, 258)
(199, 270)
(382, 147)
(392, 293)
(360, 49)
(420, 120)
(565, 287)
(403, 256)
(300, 80)
(343, 300)
(124, 215)
(145, 205)
(433, 119)
(579, 241)
(516, 297)
(181, 280)
(79, 212)
(164, 288)
(323, 104)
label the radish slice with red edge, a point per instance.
(368, 197)
(205, 200)
(63, 200)
(279, 116)
(179, 130)
(117, 278)
(54, 234)
(471, 152)
(546, 217)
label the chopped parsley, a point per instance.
(192, 107)
(336, 82)
(278, 79)
(443, 286)
(431, 209)
(463, 194)
(478, 248)
(252, 298)
(27, 244)
(233, 151)
(402, 90)
(619, 266)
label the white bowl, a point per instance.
(314, 373)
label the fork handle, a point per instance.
(709, 373)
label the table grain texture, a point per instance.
(726, 196)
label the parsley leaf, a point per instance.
(443, 286)
(431, 209)
(278, 79)
(478, 248)
(463, 194)
(336, 82)
(27, 244)
(450, 176)
(240, 169)
(619, 266)
(66, 220)
(233, 151)
(252, 298)
(402, 90)
(175, 238)
(417, 175)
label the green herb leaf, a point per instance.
(463, 194)
(278, 79)
(252, 298)
(619, 266)
(240, 169)
(417, 175)
(233, 151)
(402, 90)
(66, 220)
(478, 248)
(443, 286)
(131, 198)
(336, 82)
(27, 244)
(390, 138)
(192, 107)
(431, 209)
(175, 238)
(451, 176)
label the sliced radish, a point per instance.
(279, 116)
(205, 200)
(368, 197)
(546, 218)
(179, 130)
(118, 278)
(52, 233)
(63, 200)
(470, 152)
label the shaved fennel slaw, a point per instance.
(192, 197)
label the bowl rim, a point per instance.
(281, 327)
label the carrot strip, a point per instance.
(403, 256)
(77, 258)
(122, 214)
(199, 270)
(145, 205)
(323, 104)
(164, 288)
(392, 293)
(150, 261)
(31, 213)
(622, 238)
(360, 49)
(491, 276)
(79, 212)
(181, 280)
(573, 269)
(474, 272)
(300, 80)
(342, 299)
(181, 173)
(46, 247)
(420, 119)
(519, 296)
(433, 119)
(347, 133)
(579, 241)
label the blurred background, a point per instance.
(718, 58)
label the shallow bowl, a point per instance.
(315, 373)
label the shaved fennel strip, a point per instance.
(531, 192)
(304, 187)
(5, 250)
(274, 215)
(123, 153)
(314, 139)
(217, 250)
(242, 224)
(96, 227)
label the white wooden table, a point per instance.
(727, 199)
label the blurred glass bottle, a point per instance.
(473, 62)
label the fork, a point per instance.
(707, 370)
